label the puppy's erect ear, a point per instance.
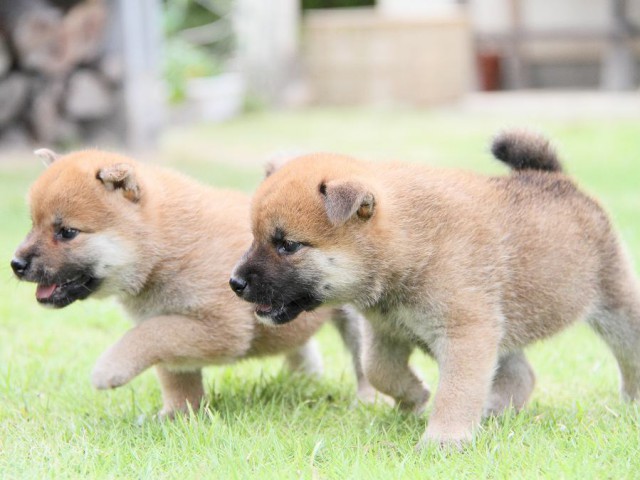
(277, 160)
(343, 200)
(47, 156)
(120, 176)
(270, 167)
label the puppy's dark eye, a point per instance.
(65, 233)
(287, 247)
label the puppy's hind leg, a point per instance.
(306, 359)
(181, 390)
(617, 321)
(349, 324)
(512, 384)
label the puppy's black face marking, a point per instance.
(63, 293)
(60, 281)
(271, 280)
(62, 287)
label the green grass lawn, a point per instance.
(262, 423)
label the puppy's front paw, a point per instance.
(370, 396)
(171, 411)
(108, 373)
(416, 403)
(454, 437)
(168, 413)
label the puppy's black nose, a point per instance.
(19, 266)
(238, 285)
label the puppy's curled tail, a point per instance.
(525, 150)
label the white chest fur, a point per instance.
(423, 329)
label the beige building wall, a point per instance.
(365, 56)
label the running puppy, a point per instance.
(164, 245)
(468, 268)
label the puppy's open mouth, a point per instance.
(62, 294)
(287, 312)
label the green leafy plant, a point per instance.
(199, 40)
(182, 61)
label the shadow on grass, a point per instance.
(303, 405)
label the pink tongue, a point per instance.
(45, 291)
(261, 308)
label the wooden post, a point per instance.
(141, 39)
(5, 56)
(619, 64)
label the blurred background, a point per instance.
(127, 73)
(212, 88)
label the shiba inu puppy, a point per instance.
(468, 268)
(164, 245)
